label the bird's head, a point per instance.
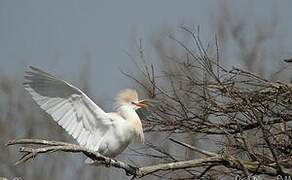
(129, 97)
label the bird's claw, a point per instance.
(108, 162)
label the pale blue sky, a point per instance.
(55, 34)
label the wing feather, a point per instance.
(69, 107)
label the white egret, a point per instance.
(106, 133)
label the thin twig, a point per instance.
(207, 153)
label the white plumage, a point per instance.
(107, 133)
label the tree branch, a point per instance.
(213, 159)
(207, 153)
(54, 146)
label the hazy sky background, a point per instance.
(60, 36)
(55, 35)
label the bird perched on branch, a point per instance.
(106, 133)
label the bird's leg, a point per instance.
(133, 171)
(108, 162)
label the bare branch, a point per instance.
(207, 153)
(54, 146)
(138, 172)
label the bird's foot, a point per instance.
(108, 162)
(133, 171)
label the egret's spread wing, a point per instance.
(69, 107)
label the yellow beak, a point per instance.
(140, 104)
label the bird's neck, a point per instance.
(130, 115)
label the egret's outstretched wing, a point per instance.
(69, 107)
